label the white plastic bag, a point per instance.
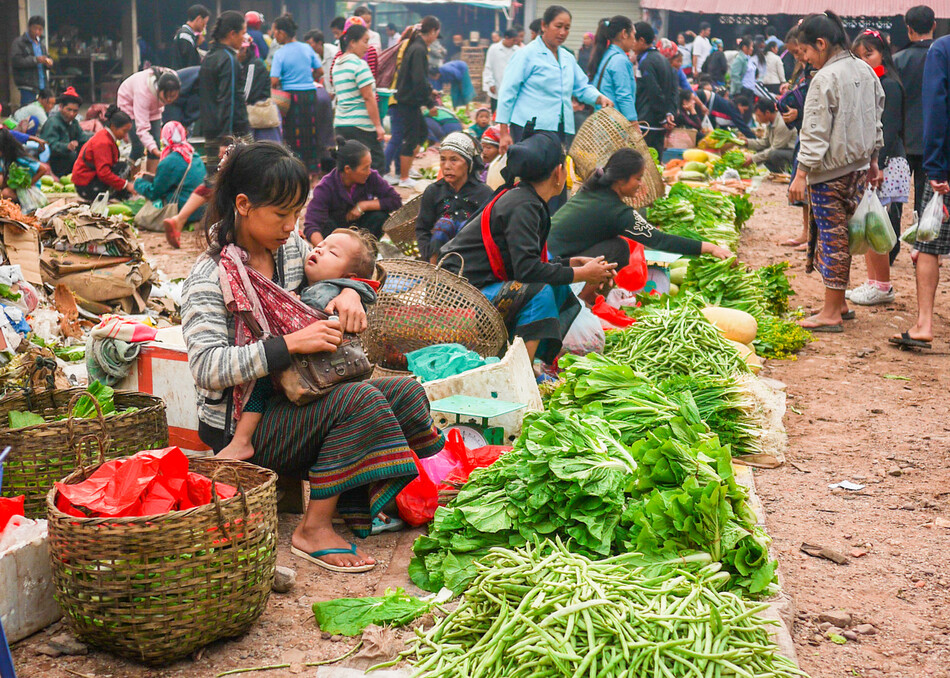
(928, 228)
(585, 335)
(707, 125)
(878, 231)
(857, 239)
(100, 206)
(31, 199)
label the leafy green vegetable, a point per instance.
(744, 209)
(733, 160)
(84, 408)
(775, 287)
(349, 616)
(19, 419)
(19, 177)
(721, 136)
(7, 293)
(698, 213)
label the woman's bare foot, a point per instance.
(793, 242)
(819, 320)
(320, 539)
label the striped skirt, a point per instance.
(301, 128)
(832, 204)
(357, 442)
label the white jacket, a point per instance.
(496, 59)
(774, 70)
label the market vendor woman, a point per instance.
(503, 248)
(594, 222)
(356, 444)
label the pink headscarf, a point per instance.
(174, 139)
(667, 48)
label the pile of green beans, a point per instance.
(674, 341)
(543, 611)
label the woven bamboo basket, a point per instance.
(421, 305)
(383, 373)
(401, 227)
(604, 133)
(157, 588)
(43, 454)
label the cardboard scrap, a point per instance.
(817, 551)
(22, 245)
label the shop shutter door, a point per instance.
(586, 13)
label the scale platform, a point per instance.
(472, 410)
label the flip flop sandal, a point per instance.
(829, 329)
(315, 556)
(390, 525)
(848, 315)
(905, 341)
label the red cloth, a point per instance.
(277, 311)
(96, 160)
(148, 483)
(495, 259)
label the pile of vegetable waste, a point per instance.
(543, 610)
(569, 476)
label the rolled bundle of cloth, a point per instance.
(112, 347)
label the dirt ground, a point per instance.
(859, 410)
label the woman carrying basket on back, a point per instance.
(504, 253)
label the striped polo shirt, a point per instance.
(350, 73)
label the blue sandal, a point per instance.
(315, 558)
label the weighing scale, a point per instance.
(476, 410)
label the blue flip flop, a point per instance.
(392, 525)
(315, 556)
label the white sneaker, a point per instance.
(848, 293)
(392, 179)
(407, 183)
(869, 295)
(415, 174)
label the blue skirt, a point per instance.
(535, 312)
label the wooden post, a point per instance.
(130, 59)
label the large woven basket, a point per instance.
(46, 453)
(401, 227)
(604, 133)
(157, 588)
(421, 305)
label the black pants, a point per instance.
(916, 163)
(96, 186)
(614, 250)
(656, 139)
(370, 221)
(494, 104)
(369, 140)
(894, 211)
(780, 160)
(415, 131)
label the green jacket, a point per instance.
(57, 133)
(167, 177)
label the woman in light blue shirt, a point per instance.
(610, 68)
(294, 69)
(539, 82)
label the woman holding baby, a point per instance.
(356, 444)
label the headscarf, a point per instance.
(589, 35)
(534, 157)
(254, 19)
(354, 21)
(716, 44)
(461, 143)
(667, 48)
(174, 139)
(492, 136)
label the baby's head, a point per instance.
(345, 253)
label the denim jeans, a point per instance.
(396, 129)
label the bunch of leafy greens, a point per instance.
(350, 616)
(744, 209)
(733, 160)
(775, 287)
(673, 339)
(635, 404)
(100, 393)
(18, 419)
(19, 177)
(568, 476)
(713, 215)
(722, 136)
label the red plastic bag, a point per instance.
(614, 316)
(148, 483)
(633, 276)
(419, 499)
(9, 507)
(469, 460)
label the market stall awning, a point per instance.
(503, 5)
(798, 7)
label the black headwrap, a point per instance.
(534, 157)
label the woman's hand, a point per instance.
(941, 187)
(349, 308)
(875, 175)
(783, 88)
(796, 192)
(319, 337)
(716, 250)
(790, 116)
(504, 140)
(355, 213)
(604, 101)
(577, 262)
(155, 153)
(595, 271)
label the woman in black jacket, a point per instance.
(894, 189)
(504, 253)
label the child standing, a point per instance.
(344, 259)
(840, 139)
(482, 122)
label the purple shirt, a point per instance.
(331, 201)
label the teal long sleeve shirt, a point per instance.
(169, 173)
(615, 80)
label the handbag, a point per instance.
(151, 217)
(312, 376)
(281, 99)
(263, 115)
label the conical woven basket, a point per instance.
(420, 305)
(401, 227)
(604, 133)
